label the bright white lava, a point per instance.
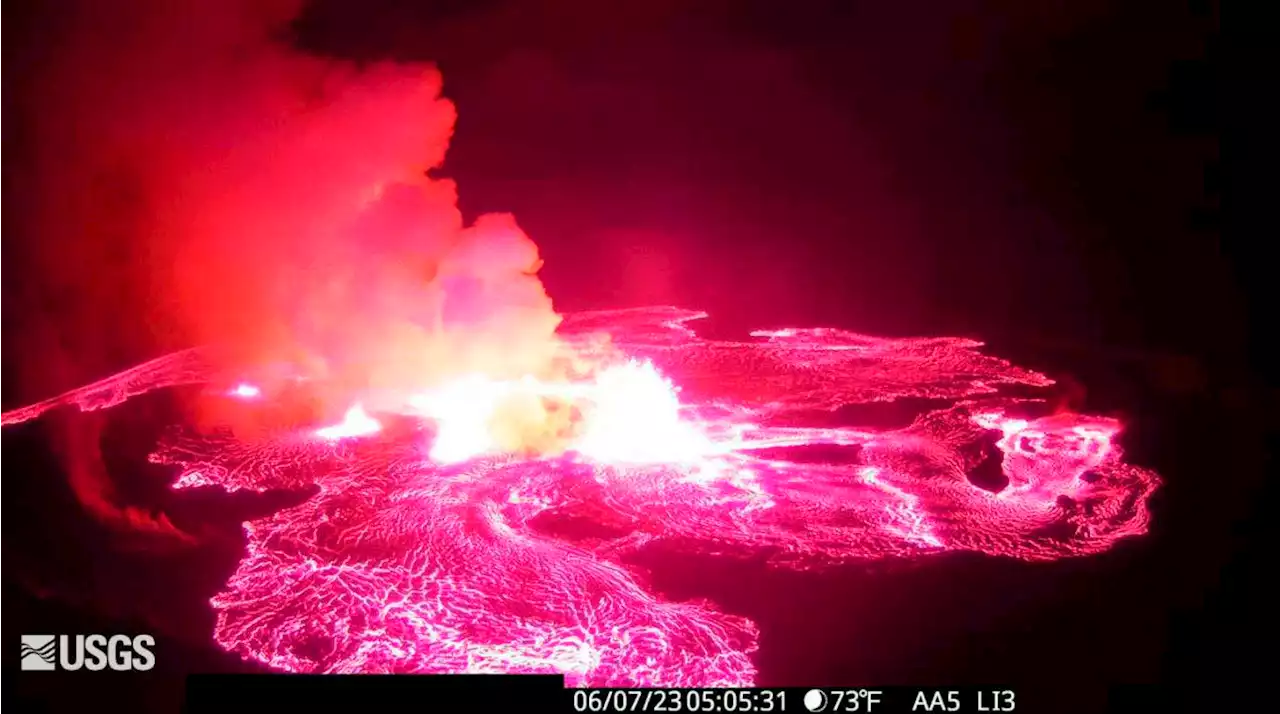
(619, 404)
(357, 422)
(245, 391)
(635, 400)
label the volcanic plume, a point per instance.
(200, 181)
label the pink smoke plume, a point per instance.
(198, 180)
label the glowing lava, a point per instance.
(636, 418)
(612, 409)
(356, 422)
(244, 390)
(431, 550)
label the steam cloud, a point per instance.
(197, 180)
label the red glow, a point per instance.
(401, 564)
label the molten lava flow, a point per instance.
(441, 548)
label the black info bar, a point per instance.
(279, 693)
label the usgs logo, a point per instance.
(121, 653)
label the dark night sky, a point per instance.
(901, 167)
